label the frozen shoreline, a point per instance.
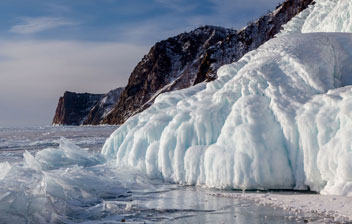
(75, 179)
(331, 207)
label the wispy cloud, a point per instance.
(39, 24)
(179, 6)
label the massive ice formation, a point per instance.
(278, 118)
(325, 126)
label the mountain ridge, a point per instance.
(191, 58)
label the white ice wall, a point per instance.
(325, 127)
(259, 125)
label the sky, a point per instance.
(48, 47)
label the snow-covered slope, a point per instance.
(278, 118)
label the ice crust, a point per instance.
(277, 119)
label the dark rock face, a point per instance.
(85, 108)
(73, 108)
(190, 58)
(170, 64)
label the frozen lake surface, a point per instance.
(57, 175)
(13, 141)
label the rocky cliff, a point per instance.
(85, 108)
(73, 107)
(170, 64)
(188, 59)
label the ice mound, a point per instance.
(241, 131)
(69, 154)
(5, 168)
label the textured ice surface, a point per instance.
(64, 185)
(329, 16)
(325, 126)
(323, 16)
(254, 128)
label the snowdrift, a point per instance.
(280, 118)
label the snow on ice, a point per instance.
(280, 118)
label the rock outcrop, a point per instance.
(85, 108)
(170, 64)
(73, 108)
